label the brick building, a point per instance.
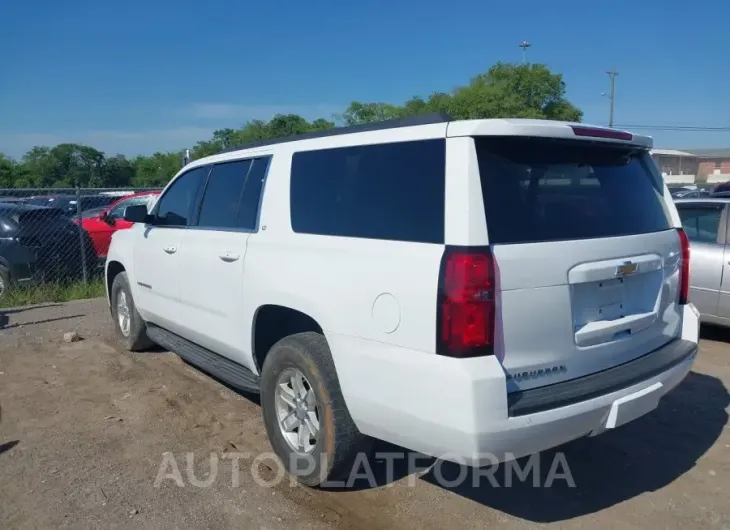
(678, 167)
(714, 164)
(690, 166)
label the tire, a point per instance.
(135, 338)
(338, 441)
(4, 281)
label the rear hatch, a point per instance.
(586, 256)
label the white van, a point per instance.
(465, 289)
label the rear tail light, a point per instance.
(466, 302)
(684, 268)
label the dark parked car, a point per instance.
(691, 194)
(38, 244)
(68, 203)
(725, 186)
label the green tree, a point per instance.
(77, 165)
(358, 113)
(155, 170)
(504, 91)
(117, 172)
(8, 170)
(514, 91)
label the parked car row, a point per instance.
(688, 192)
(696, 192)
(40, 240)
(37, 244)
(705, 221)
(104, 222)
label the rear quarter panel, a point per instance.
(372, 290)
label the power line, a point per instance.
(676, 127)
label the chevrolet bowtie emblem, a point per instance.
(626, 269)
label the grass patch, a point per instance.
(52, 292)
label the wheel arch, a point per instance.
(113, 269)
(272, 322)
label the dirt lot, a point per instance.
(84, 428)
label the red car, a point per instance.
(100, 225)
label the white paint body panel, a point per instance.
(376, 303)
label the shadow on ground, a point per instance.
(3, 324)
(7, 446)
(4, 320)
(640, 457)
(714, 333)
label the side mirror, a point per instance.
(105, 217)
(136, 214)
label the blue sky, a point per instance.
(141, 76)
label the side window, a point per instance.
(176, 205)
(222, 194)
(701, 223)
(389, 191)
(117, 212)
(248, 211)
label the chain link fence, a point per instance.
(60, 236)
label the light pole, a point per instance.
(524, 45)
(612, 73)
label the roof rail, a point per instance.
(413, 121)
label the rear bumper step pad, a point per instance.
(601, 383)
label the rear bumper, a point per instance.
(602, 383)
(459, 409)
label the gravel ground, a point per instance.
(85, 426)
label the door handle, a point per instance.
(228, 256)
(170, 250)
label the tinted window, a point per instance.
(701, 223)
(538, 189)
(96, 202)
(117, 212)
(176, 206)
(389, 191)
(222, 194)
(248, 212)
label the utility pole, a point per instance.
(524, 45)
(612, 73)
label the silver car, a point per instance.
(705, 221)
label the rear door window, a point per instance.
(392, 191)
(540, 189)
(248, 210)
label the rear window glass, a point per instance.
(538, 189)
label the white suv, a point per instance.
(469, 290)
